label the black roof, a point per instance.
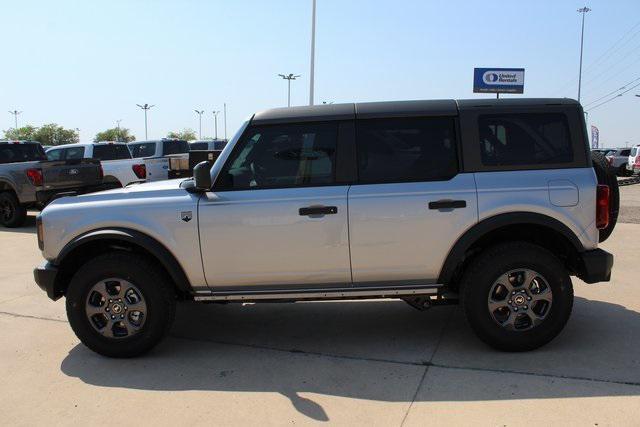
(438, 107)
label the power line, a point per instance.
(624, 86)
(615, 97)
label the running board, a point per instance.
(319, 294)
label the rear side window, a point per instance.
(111, 152)
(406, 150)
(174, 147)
(146, 149)
(198, 146)
(74, 153)
(625, 152)
(54, 154)
(13, 153)
(523, 139)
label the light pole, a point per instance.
(225, 121)
(288, 78)
(200, 113)
(145, 107)
(583, 11)
(215, 121)
(15, 116)
(313, 49)
(118, 131)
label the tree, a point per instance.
(53, 134)
(24, 133)
(186, 134)
(115, 134)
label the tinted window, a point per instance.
(219, 145)
(282, 156)
(199, 146)
(625, 152)
(54, 154)
(73, 153)
(12, 153)
(522, 139)
(111, 152)
(634, 151)
(412, 149)
(174, 147)
(146, 149)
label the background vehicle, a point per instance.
(490, 203)
(208, 144)
(618, 159)
(156, 155)
(120, 169)
(28, 180)
(633, 163)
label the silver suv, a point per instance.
(493, 204)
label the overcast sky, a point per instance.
(86, 64)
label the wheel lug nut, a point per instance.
(526, 307)
(113, 317)
(122, 316)
(509, 301)
(106, 309)
(125, 307)
(528, 298)
(513, 293)
(515, 309)
(110, 300)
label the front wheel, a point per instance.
(120, 305)
(517, 296)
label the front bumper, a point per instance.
(595, 266)
(45, 276)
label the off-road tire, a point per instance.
(157, 292)
(17, 213)
(486, 268)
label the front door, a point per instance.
(276, 218)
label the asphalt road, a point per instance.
(347, 363)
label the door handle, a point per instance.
(448, 204)
(318, 210)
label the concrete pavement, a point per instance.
(347, 363)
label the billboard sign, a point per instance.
(498, 80)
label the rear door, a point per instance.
(411, 203)
(277, 217)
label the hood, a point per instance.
(151, 190)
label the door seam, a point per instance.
(349, 237)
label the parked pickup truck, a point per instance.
(28, 180)
(490, 203)
(618, 159)
(157, 155)
(120, 169)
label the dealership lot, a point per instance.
(380, 363)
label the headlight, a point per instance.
(40, 232)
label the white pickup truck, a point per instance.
(120, 169)
(158, 154)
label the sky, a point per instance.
(85, 64)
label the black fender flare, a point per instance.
(8, 184)
(148, 243)
(496, 222)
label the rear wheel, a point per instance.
(120, 305)
(12, 213)
(516, 296)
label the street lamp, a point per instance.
(118, 131)
(313, 49)
(15, 116)
(145, 107)
(200, 113)
(584, 11)
(288, 78)
(215, 120)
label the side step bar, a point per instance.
(319, 294)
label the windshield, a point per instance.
(174, 147)
(12, 153)
(111, 152)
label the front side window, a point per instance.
(145, 149)
(634, 151)
(406, 150)
(524, 139)
(54, 154)
(74, 153)
(282, 156)
(174, 147)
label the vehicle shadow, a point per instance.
(372, 351)
(29, 226)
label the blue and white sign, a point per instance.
(498, 80)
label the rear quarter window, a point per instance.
(524, 139)
(174, 147)
(146, 149)
(13, 153)
(111, 152)
(198, 146)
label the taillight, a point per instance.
(35, 176)
(602, 206)
(638, 160)
(140, 171)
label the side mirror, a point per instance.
(202, 176)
